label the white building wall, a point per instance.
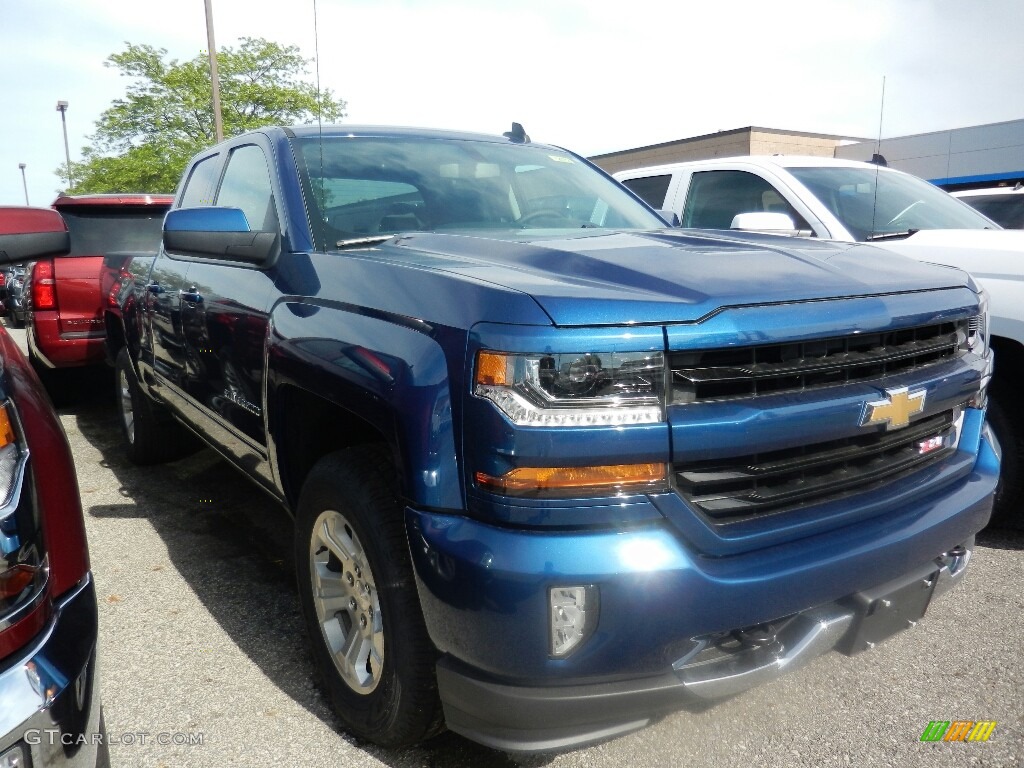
(975, 156)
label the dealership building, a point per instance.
(959, 158)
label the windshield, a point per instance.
(902, 203)
(362, 187)
(97, 231)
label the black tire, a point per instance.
(1006, 418)
(151, 435)
(387, 691)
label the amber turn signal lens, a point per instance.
(6, 430)
(530, 480)
(492, 369)
(14, 580)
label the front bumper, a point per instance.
(50, 696)
(521, 718)
(665, 607)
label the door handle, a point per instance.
(192, 296)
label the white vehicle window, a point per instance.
(1006, 210)
(876, 204)
(716, 197)
(651, 189)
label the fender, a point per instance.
(132, 315)
(390, 372)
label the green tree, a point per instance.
(143, 141)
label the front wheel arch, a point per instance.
(382, 683)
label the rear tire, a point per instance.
(150, 434)
(359, 600)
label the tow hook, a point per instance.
(954, 560)
(759, 636)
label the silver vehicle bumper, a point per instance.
(49, 695)
(543, 719)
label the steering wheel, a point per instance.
(903, 213)
(550, 213)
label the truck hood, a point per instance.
(668, 276)
(983, 252)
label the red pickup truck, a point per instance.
(64, 321)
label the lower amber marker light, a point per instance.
(614, 477)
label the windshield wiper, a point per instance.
(890, 235)
(357, 242)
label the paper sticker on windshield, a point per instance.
(561, 159)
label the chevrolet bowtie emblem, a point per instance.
(895, 410)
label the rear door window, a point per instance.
(201, 183)
(650, 189)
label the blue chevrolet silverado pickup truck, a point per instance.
(555, 468)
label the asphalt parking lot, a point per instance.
(204, 661)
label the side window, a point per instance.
(201, 182)
(246, 185)
(715, 197)
(650, 189)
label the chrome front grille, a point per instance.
(741, 372)
(729, 490)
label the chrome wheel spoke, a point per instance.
(353, 656)
(127, 412)
(336, 539)
(329, 590)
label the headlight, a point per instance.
(975, 340)
(975, 337)
(24, 570)
(573, 390)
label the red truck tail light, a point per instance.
(44, 290)
(24, 567)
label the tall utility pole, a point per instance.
(218, 123)
(62, 107)
(24, 183)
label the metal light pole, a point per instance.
(218, 123)
(24, 183)
(62, 107)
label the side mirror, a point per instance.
(669, 217)
(219, 234)
(31, 233)
(771, 223)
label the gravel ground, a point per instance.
(204, 660)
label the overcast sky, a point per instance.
(592, 75)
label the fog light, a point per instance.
(13, 758)
(573, 616)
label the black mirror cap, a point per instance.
(218, 234)
(251, 249)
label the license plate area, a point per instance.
(881, 612)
